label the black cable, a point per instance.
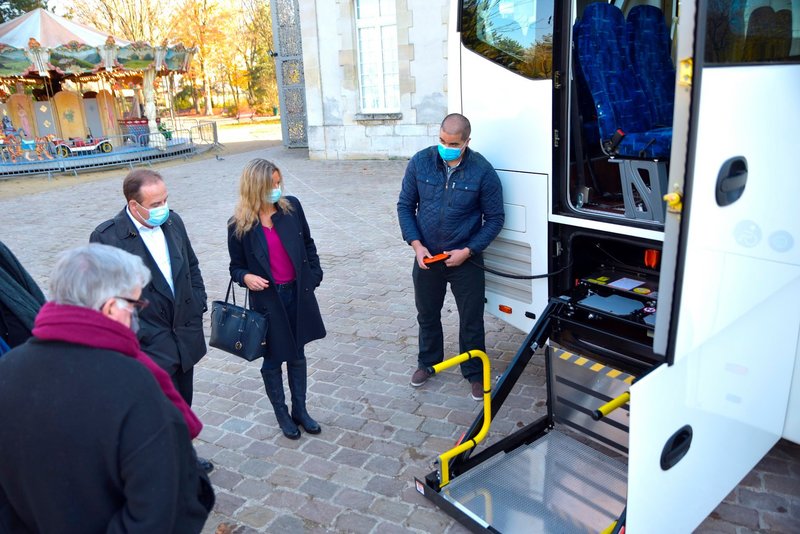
(519, 276)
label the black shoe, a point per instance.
(205, 465)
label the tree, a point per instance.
(135, 20)
(11, 9)
(198, 22)
(262, 87)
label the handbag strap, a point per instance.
(228, 293)
(232, 292)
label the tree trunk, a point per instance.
(209, 108)
(195, 100)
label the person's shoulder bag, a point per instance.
(237, 330)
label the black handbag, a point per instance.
(236, 329)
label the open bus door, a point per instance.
(699, 424)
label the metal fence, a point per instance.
(73, 156)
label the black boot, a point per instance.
(273, 383)
(298, 378)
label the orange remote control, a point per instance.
(434, 259)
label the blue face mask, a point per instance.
(275, 195)
(158, 216)
(449, 153)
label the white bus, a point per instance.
(592, 112)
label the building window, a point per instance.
(379, 76)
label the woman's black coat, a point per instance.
(250, 255)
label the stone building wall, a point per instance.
(337, 128)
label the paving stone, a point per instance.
(227, 503)
(231, 440)
(322, 489)
(391, 510)
(782, 484)
(257, 468)
(260, 449)
(255, 516)
(739, 515)
(319, 512)
(284, 477)
(223, 478)
(355, 523)
(252, 489)
(385, 485)
(354, 500)
(350, 457)
(283, 499)
(288, 523)
(780, 523)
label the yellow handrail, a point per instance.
(444, 459)
(611, 405)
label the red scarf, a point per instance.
(82, 326)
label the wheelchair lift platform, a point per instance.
(555, 484)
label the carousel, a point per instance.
(72, 97)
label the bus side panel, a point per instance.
(521, 248)
(513, 138)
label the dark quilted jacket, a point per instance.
(464, 211)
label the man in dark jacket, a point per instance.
(451, 202)
(171, 330)
(90, 443)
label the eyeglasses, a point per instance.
(139, 304)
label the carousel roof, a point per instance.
(39, 42)
(50, 31)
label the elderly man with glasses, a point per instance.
(95, 436)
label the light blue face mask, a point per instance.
(275, 195)
(158, 215)
(449, 153)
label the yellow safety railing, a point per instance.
(611, 405)
(444, 459)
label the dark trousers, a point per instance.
(183, 382)
(288, 295)
(467, 282)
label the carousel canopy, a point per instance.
(39, 42)
(50, 31)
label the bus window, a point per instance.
(752, 32)
(517, 34)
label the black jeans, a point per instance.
(288, 295)
(467, 282)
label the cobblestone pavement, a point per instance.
(378, 433)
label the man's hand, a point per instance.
(421, 252)
(255, 282)
(457, 257)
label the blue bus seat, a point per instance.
(651, 57)
(630, 134)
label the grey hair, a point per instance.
(88, 276)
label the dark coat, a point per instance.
(171, 327)
(20, 299)
(250, 255)
(91, 444)
(464, 210)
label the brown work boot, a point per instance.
(419, 377)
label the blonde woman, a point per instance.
(272, 254)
